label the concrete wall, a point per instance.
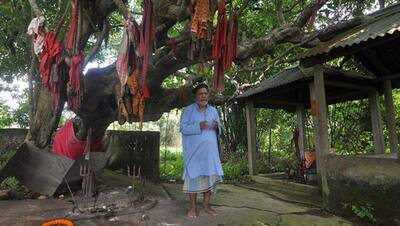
(361, 180)
(140, 148)
(11, 139)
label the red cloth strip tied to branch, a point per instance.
(147, 37)
(75, 72)
(172, 43)
(220, 32)
(232, 42)
(225, 42)
(313, 16)
(71, 36)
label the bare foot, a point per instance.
(210, 211)
(192, 213)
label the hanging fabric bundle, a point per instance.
(138, 99)
(128, 59)
(126, 53)
(220, 32)
(51, 48)
(49, 66)
(219, 44)
(199, 27)
(232, 41)
(147, 37)
(50, 51)
(36, 30)
(201, 19)
(225, 42)
(313, 16)
(75, 71)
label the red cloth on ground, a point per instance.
(51, 48)
(67, 144)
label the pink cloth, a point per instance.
(67, 144)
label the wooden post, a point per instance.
(390, 115)
(376, 122)
(321, 141)
(251, 136)
(301, 123)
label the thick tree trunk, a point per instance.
(45, 121)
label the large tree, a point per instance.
(270, 31)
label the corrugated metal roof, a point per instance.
(378, 24)
(284, 77)
(297, 74)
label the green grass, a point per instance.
(11, 184)
(171, 168)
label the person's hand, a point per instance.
(204, 125)
(214, 125)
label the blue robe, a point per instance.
(200, 147)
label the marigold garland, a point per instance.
(58, 222)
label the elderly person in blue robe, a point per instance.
(200, 126)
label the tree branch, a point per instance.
(266, 45)
(35, 8)
(122, 8)
(304, 16)
(95, 49)
(279, 12)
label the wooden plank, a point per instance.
(390, 116)
(321, 141)
(40, 170)
(43, 171)
(376, 121)
(301, 123)
(251, 136)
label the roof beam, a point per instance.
(389, 77)
(372, 57)
(348, 85)
(278, 102)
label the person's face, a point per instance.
(202, 97)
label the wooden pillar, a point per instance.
(390, 115)
(251, 136)
(301, 123)
(376, 121)
(321, 141)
